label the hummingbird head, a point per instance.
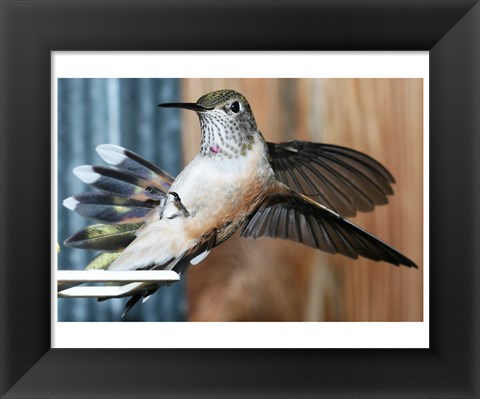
(227, 123)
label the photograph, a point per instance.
(313, 187)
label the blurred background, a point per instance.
(265, 279)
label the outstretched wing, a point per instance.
(291, 216)
(340, 178)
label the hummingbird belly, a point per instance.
(218, 195)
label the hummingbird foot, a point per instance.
(179, 203)
(154, 193)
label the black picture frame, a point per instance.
(30, 30)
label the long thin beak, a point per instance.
(191, 106)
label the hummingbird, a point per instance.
(298, 190)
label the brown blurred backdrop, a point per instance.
(268, 280)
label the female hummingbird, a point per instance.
(301, 191)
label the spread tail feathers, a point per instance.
(109, 208)
(114, 181)
(127, 192)
(104, 237)
(134, 164)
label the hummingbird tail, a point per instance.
(134, 164)
(104, 237)
(126, 193)
(118, 182)
(102, 261)
(107, 208)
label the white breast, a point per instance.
(207, 183)
(209, 188)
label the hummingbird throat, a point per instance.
(225, 138)
(215, 149)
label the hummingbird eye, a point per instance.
(235, 107)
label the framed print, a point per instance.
(34, 364)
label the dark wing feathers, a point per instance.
(340, 178)
(298, 218)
